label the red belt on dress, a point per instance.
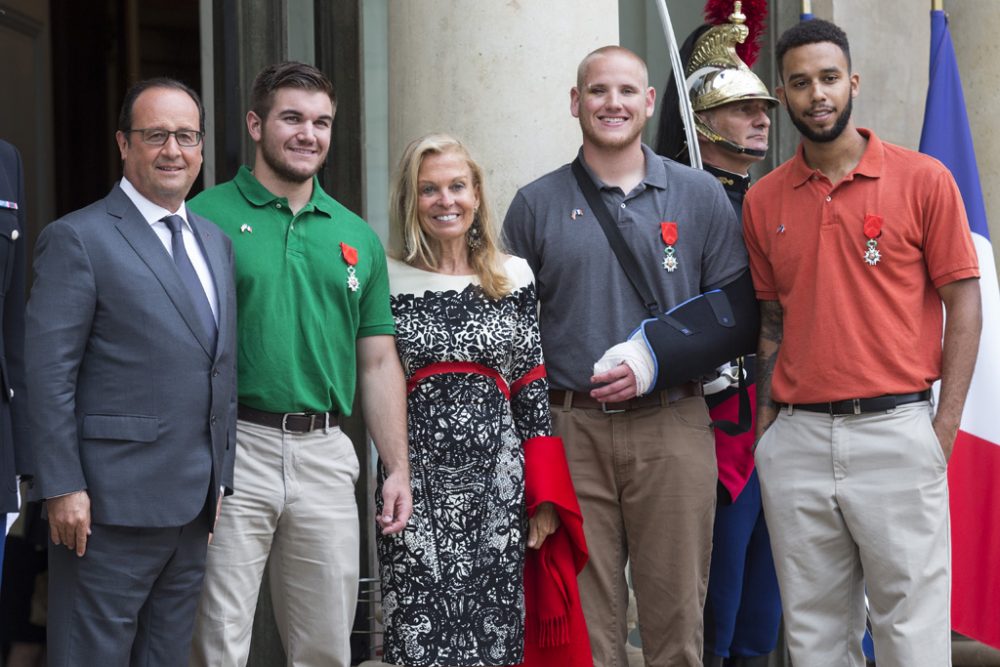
(506, 389)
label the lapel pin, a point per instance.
(576, 213)
(781, 229)
(246, 229)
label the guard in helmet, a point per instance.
(730, 103)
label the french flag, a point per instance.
(974, 468)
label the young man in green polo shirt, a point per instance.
(314, 319)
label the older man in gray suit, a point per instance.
(131, 360)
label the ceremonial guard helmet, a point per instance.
(717, 56)
(716, 75)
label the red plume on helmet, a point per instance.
(717, 12)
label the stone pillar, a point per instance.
(495, 74)
(975, 25)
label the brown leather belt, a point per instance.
(289, 422)
(860, 406)
(576, 399)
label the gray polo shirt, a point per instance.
(587, 302)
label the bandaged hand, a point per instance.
(635, 354)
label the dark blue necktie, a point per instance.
(189, 275)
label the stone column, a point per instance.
(974, 26)
(495, 74)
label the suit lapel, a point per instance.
(150, 250)
(218, 264)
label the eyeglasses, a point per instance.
(157, 137)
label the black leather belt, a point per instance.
(290, 422)
(577, 399)
(860, 406)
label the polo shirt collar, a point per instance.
(656, 173)
(870, 165)
(258, 195)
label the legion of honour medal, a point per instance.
(350, 256)
(668, 231)
(873, 229)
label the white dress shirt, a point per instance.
(153, 213)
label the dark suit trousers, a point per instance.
(131, 599)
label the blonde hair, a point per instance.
(418, 248)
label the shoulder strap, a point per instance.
(617, 242)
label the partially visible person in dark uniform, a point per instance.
(13, 424)
(14, 454)
(743, 608)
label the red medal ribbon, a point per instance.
(873, 225)
(668, 230)
(349, 254)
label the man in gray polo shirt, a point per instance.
(644, 467)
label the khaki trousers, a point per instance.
(294, 501)
(646, 482)
(854, 504)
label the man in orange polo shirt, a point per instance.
(854, 245)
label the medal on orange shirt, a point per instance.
(350, 256)
(873, 229)
(668, 232)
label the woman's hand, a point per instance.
(542, 524)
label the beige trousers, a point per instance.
(294, 501)
(646, 483)
(854, 504)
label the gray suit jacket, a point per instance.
(125, 398)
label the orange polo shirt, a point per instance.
(854, 329)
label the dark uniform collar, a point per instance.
(730, 181)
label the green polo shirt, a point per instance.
(298, 318)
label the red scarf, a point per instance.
(555, 632)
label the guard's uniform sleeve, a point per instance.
(13, 335)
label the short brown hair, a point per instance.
(609, 50)
(287, 75)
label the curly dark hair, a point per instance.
(810, 32)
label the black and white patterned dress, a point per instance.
(452, 584)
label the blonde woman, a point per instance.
(467, 335)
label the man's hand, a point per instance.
(544, 523)
(619, 385)
(397, 503)
(946, 433)
(69, 520)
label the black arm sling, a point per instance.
(716, 300)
